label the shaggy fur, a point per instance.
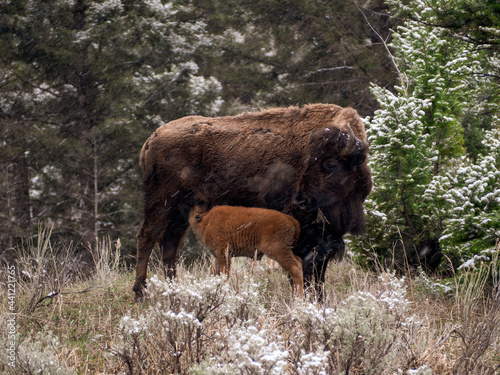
(229, 231)
(292, 160)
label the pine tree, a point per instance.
(472, 26)
(418, 148)
(402, 163)
(89, 81)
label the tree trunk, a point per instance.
(89, 194)
(22, 206)
(6, 237)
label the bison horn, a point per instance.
(351, 144)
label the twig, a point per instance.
(402, 77)
(308, 74)
(55, 293)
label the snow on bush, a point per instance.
(247, 350)
(364, 331)
(207, 326)
(184, 316)
(37, 355)
(422, 370)
(468, 202)
(430, 286)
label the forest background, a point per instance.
(84, 83)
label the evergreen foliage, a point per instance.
(84, 83)
(90, 83)
(470, 199)
(433, 189)
(402, 165)
(475, 21)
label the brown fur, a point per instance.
(229, 231)
(275, 159)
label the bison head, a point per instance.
(331, 169)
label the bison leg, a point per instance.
(149, 234)
(307, 250)
(314, 266)
(319, 279)
(153, 231)
(171, 239)
(332, 248)
(316, 261)
(308, 270)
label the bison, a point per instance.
(229, 231)
(309, 162)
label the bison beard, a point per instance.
(309, 162)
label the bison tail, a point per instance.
(144, 158)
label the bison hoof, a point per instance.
(139, 297)
(139, 292)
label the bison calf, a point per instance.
(229, 231)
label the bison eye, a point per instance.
(197, 218)
(330, 165)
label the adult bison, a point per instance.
(309, 162)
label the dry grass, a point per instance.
(435, 332)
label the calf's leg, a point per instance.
(224, 260)
(296, 274)
(291, 264)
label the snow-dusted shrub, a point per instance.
(422, 370)
(367, 328)
(185, 315)
(429, 286)
(363, 332)
(243, 304)
(37, 355)
(247, 350)
(313, 363)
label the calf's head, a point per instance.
(196, 216)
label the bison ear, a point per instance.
(320, 137)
